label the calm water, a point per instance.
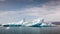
(30, 30)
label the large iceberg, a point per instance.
(35, 23)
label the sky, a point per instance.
(15, 10)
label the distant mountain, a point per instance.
(57, 23)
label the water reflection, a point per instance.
(30, 30)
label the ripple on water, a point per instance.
(30, 30)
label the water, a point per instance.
(30, 30)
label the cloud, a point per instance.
(3, 13)
(2, 0)
(50, 11)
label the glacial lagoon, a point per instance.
(30, 30)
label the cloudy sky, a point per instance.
(15, 10)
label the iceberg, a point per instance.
(35, 23)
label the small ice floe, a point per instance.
(7, 28)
